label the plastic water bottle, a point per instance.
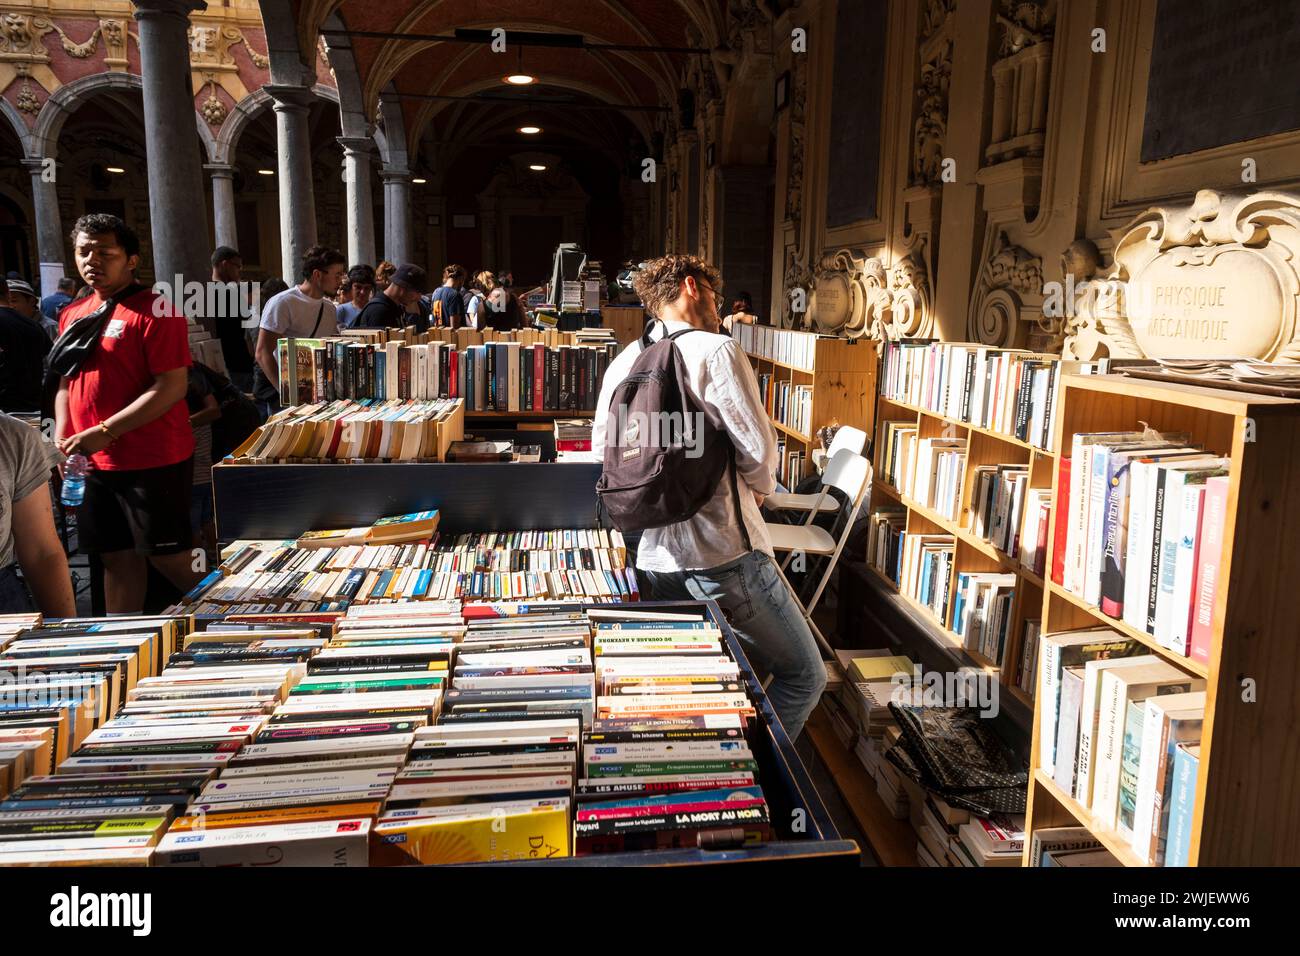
(74, 480)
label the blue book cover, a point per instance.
(1187, 760)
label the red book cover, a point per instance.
(1062, 506)
(1206, 586)
(539, 377)
(453, 381)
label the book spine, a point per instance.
(1138, 546)
(1050, 668)
(1155, 736)
(1207, 575)
(1061, 519)
(1156, 499)
(1188, 555)
(1114, 537)
(1182, 810)
(1171, 529)
(1097, 502)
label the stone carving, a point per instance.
(210, 48)
(910, 315)
(20, 37)
(931, 128)
(1010, 279)
(936, 16)
(796, 279)
(113, 33)
(214, 111)
(1024, 23)
(26, 99)
(77, 50)
(794, 170)
(1020, 79)
(1088, 304)
(1216, 278)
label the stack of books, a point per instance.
(285, 577)
(494, 778)
(667, 761)
(1009, 391)
(786, 346)
(1115, 724)
(495, 376)
(1141, 522)
(354, 431)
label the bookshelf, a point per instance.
(1247, 809)
(971, 553)
(838, 374)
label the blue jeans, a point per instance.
(768, 622)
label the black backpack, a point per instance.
(651, 479)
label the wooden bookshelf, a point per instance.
(843, 382)
(971, 553)
(1247, 809)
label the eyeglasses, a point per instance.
(717, 293)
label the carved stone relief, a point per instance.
(1020, 78)
(856, 296)
(930, 128)
(1216, 278)
(1009, 291)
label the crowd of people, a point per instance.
(116, 381)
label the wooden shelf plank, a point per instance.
(1111, 840)
(1186, 663)
(790, 431)
(892, 842)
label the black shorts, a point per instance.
(145, 510)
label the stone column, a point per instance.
(397, 215)
(49, 226)
(223, 204)
(357, 151)
(171, 140)
(293, 169)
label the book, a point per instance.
(1182, 811)
(1214, 515)
(1168, 721)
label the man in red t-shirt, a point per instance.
(124, 408)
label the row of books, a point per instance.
(982, 613)
(366, 430)
(497, 376)
(1119, 732)
(1140, 533)
(936, 479)
(1010, 515)
(787, 403)
(779, 345)
(1009, 391)
(886, 532)
(926, 572)
(1026, 677)
(282, 576)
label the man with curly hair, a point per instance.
(706, 556)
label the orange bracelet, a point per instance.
(104, 428)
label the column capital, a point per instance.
(144, 9)
(219, 170)
(357, 145)
(289, 98)
(390, 175)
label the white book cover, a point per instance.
(1185, 562)
(1088, 715)
(1156, 726)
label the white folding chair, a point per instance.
(851, 474)
(848, 437)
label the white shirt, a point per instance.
(293, 313)
(721, 381)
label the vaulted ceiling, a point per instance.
(608, 88)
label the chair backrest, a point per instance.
(849, 472)
(854, 439)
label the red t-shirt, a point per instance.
(135, 347)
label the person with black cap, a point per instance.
(388, 309)
(23, 347)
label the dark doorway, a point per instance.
(15, 249)
(532, 247)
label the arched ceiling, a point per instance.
(421, 74)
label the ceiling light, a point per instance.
(266, 172)
(114, 169)
(530, 130)
(419, 182)
(537, 168)
(520, 79)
